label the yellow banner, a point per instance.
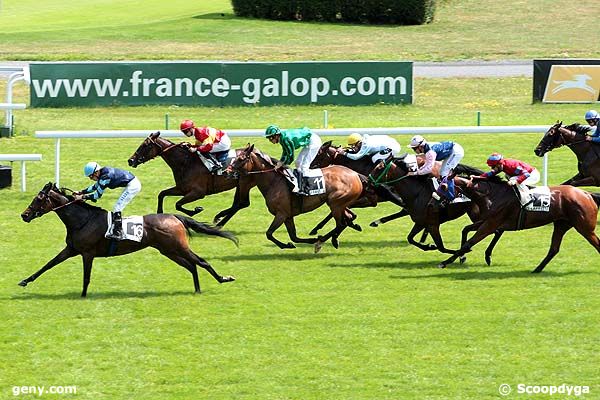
(573, 84)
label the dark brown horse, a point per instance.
(416, 192)
(87, 224)
(343, 188)
(570, 207)
(588, 153)
(332, 155)
(193, 180)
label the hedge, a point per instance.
(399, 12)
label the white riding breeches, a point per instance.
(452, 161)
(308, 154)
(223, 145)
(132, 188)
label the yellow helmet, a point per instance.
(354, 138)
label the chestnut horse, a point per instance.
(86, 225)
(570, 207)
(416, 190)
(588, 153)
(343, 187)
(193, 180)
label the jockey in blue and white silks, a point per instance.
(593, 118)
(450, 153)
(111, 178)
(377, 146)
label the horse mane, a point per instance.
(467, 170)
(578, 128)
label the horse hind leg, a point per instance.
(188, 263)
(560, 228)
(204, 264)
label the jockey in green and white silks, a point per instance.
(292, 140)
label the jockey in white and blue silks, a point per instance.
(450, 153)
(377, 146)
(111, 178)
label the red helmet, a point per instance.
(494, 159)
(186, 124)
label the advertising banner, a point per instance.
(566, 81)
(219, 84)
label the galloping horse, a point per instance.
(588, 153)
(570, 207)
(193, 180)
(343, 187)
(86, 225)
(331, 155)
(416, 192)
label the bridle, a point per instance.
(247, 159)
(380, 179)
(161, 149)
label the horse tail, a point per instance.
(463, 169)
(191, 224)
(596, 197)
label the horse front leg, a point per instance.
(188, 198)
(241, 200)
(434, 230)
(291, 229)
(321, 224)
(560, 228)
(64, 254)
(490, 248)
(414, 232)
(172, 191)
(485, 229)
(277, 222)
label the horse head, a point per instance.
(326, 155)
(151, 147)
(242, 163)
(552, 139)
(48, 199)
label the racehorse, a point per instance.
(86, 225)
(193, 180)
(331, 155)
(416, 191)
(588, 153)
(570, 207)
(343, 188)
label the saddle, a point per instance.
(310, 184)
(133, 227)
(225, 158)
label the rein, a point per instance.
(377, 181)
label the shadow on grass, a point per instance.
(491, 275)
(215, 16)
(99, 295)
(287, 254)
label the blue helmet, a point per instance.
(90, 168)
(591, 115)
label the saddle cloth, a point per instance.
(460, 197)
(312, 183)
(133, 227)
(541, 199)
(225, 161)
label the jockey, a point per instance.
(111, 178)
(448, 152)
(377, 146)
(213, 144)
(593, 118)
(293, 139)
(519, 174)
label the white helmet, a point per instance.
(417, 141)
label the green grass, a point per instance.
(372, 320)
(132, 30)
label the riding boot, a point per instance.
(300, 183)
(117, 229)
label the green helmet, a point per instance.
(272, 130)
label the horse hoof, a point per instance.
(488, 260)
(23, 283)
(462, 259)
(442, 265)
(318, 246)
(357, 227)
(313, 232)
(290, 245)
(198, 210)
(431, 247)
(226, 279)
(335, 243)
(374, 224)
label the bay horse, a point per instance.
(416, 190)
(343, 187)
(588, 153)
(193, 180)
(86, 225)
(570, 207)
